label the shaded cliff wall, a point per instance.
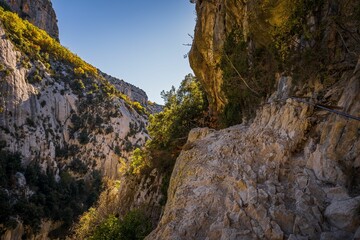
(263, 39)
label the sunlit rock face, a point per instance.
(256, 21)
(291, 174)
(51, 123)
(214, 22)
(293, 171)
(39, 12)
(38, 120)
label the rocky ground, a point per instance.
(293, 173)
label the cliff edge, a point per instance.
(38, 12)
(291, 169)
(291, 174)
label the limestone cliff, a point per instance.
(215, 21)
(134, 93)
(38, 12)
(71, 129)
(239, 46)
(292, 172)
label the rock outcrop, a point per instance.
(38, 120)
(291, 174)
(293, 171)
(38, 12)
(216, 19)
(134, 93)
(277, 27)
(72, 124)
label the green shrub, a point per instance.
(38, 45)
(58, 201)
(78, 166)
(84, 137)
(77, 85)
(5, 71)
(134, 226)
(184, 109)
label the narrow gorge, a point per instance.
(274, 146)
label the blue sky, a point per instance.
(140, 41)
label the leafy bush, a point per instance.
(280, 38)
(10, 163)
(138, 161)
(5, 71)
(140, 109)
(134, 226)
(78, 166)
(77, 85)
(184, 109)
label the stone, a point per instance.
(344, 214)
(357, 234)
(337, 193)
(258, 169)
(198, 133)
(336, 235)
(43, 122)
(40, 13)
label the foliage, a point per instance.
(9, 164)
(257, 70)
(4, 71)
(276, 41)
(83, 137)
(289, 19)
(184, 109)
(59, 201)
(137, 106)
(108, 229)
(100, 221)
(139, 161)
(77, 85)
(78, 166)
(37, 44)
(134, 226)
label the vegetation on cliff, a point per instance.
(254, 43)
(184, 109)
(37, 45)
(30, 195)
(278, 40)
(55, 179)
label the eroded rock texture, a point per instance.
(62, 127)
(291, 174)
(263, 26)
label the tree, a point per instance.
(185, 108)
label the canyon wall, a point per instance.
(292, 171)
